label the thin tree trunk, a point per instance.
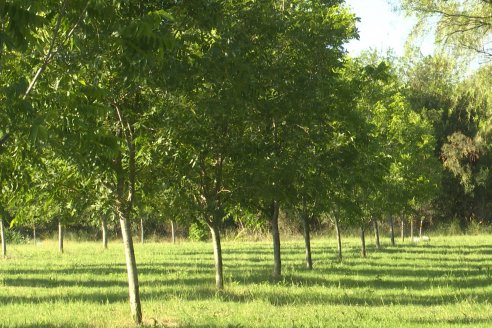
(277, 267)
(34, 235)
(124, 206)
(104, 227)
(219, 277)
(339, 238)
(392, 231)
(376, 233)
(4, 241)
(307, 241)
(61, 234)
(402, 230)
(141, 231)
(362, 242)
(173, 231)
(420, 229)
(131, 268)
(411, 229)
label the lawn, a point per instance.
(446, 282)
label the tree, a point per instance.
(99, 110)
(295, 85)
(465, 26)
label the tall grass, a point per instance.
(447, 282)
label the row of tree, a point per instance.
(212, 111)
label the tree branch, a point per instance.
(4, 139)
(49, 54)
(53, 49)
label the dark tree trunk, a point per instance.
(339, 238)
(219, 277)
(104, 228)
(34, 235)
(420, 229)
(277, 267)
(376, 233)
(362, 242)
(392, 231)
(173, 232)
(307, 241)
(411, 229)
(4, 242)
(61, 234)
(402, 229)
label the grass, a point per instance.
(447, 282)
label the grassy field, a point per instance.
(447, 282)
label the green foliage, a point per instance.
(463, 26)
(198, 232)
(15, 237)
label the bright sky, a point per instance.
(381, 28)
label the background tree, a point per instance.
(464, 26)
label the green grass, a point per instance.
(447, 282)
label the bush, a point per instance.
(198, 232)
(15, 237)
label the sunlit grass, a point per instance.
(447, 282)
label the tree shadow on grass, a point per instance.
(459, 321)
(51, 325)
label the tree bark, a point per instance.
(392, 231)
(411, 229)
(339, 238)
(141, 231)
(219, 277)
(376, 233)
(4, 241)
(173, 232)
(307, 241)
(34, 235)
(125, 191)
(61, 234)
(104, 227)
(131, 268)
(420, 229)
(362, 242)
(277, 267)
(402, 229)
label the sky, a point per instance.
(382, 28)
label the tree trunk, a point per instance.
(307, 241)
(411, 229)
(339, 238)
(420, 229)
(34, 234)
(4, 241)
(141, 231)
(131, 268)
(392, 231)
(277, 267)
(104, 227)
(402, 230)
(376, 233)
(362, 242)
(173, 231)
(219, 277)
(125, 191)
(61, 234)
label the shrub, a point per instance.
(198, 232)
(15, 237)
